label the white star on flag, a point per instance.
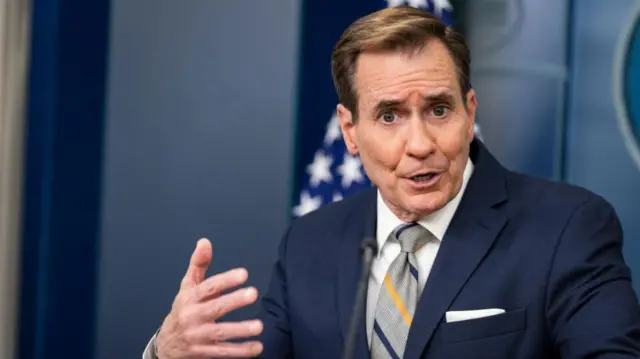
(320, 169)
(337, 197)
(394, 3)
(333, 130)
(420, 4)
(307, 204)
(441, 5)
(350, 170)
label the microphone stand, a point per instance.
(370, 250)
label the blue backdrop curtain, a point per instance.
(65, 116)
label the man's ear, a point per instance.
(471, 106)
(348, 128)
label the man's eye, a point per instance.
(440, 111)
(388, 117)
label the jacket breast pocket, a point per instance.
(491, 326)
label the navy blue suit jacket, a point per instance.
(548, 253)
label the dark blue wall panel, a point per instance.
(597, 157)
(519, 67)
(198, 142)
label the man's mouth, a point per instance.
(426, 177)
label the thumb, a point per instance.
(200, 260)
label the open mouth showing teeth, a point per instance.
(424, 178)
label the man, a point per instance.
(475, 261)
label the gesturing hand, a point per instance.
(190, 331)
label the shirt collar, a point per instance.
(436, 222)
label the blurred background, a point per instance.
(131, 128)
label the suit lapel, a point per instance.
(359, 226)
(471, 234)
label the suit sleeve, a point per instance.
(592, 309)
(274, 312)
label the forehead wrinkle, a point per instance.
(437, 64)
(376, 96)
(438, 76)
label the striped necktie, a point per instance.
(398, 295)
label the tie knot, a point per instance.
(411, 236)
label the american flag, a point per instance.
(334, 173)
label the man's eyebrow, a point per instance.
(387, 104)
(439, 98)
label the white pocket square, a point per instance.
(460, 315)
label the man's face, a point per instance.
(413, 131)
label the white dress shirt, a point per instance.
(436, 222)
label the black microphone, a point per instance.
(370, 250)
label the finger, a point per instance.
(227, 303)
(212, 333)
(198, 264)
(229, 350)
(216, 285)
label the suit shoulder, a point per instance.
(337, 212)
(549, 193)
(319, 232)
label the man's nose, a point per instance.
(420, 142)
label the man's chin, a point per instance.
(426, 203)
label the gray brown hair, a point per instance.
(393, 29)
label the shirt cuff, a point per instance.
(150, 352)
